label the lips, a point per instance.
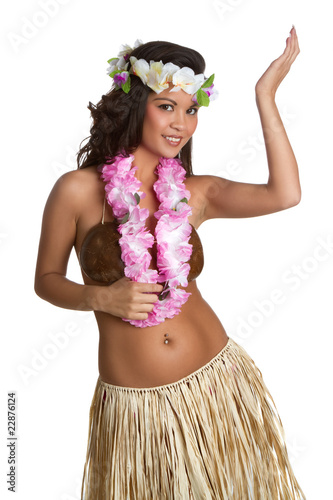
(173, 140)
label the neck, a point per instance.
(146, 161)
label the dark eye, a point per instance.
(166, 107)
(192, 111)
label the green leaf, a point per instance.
(125, 218)
(208, 82)
(137, 197)
(184, 200)
(202, 98)
(114, 72)
(127, 85)
(112, 59)
(163, 295)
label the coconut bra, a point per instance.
(100, 253)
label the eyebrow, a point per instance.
(171, 100)
(165, 99)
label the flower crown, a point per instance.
(158, 76)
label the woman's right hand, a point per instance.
(127, 299)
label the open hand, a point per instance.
(275, 73)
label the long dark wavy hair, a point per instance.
(118, 117)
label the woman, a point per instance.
(180, 410)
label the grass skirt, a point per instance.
(214, 434)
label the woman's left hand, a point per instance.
(275, 73)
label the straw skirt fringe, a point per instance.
(212, 435)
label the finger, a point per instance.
(138, 316)
(142, 316)
(150, 287)
(142, 308)
(292, 49)
(147, 308)
(295, 51)
(136, 309)
(148, 298)
(287, 50)
(291, 42)
(295, 45)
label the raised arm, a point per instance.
(226, 198)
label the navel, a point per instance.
(166, 340)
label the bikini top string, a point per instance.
(103, 211)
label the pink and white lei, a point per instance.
(172, 231)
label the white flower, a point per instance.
(154, 77)
(112, 66)
(124, 49)
(168, 71)
(140, 68)
(160, 75)
(214, 95)
(137, 43)
(121, 62)
(156, 74)
(187, 80)
(117, 64)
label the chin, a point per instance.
(171, 154)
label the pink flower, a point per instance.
(121, 78)
(172, 230)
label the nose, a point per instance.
(179, 121)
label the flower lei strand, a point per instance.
(159, 76)
(172, 231)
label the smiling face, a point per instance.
(170, 121)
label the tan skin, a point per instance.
(139, 357)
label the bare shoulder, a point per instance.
(78, 181)
(73, 206)
(204, 187)
(77, 186)
(200, 187)
(204, 183)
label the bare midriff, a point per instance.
(145, 357)
(140, 357)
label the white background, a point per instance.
(53, 63)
